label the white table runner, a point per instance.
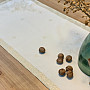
(25, 26)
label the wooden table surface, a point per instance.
(14, 76)
(59, 6)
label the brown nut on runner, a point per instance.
(69, 58)
(69, 68)
(61, 72)
(42, 50)
(69, 74)
(59, 61)
(60, 55)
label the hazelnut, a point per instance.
(69, 71)
(42, 50)
(59, 61)
(69, 58)
(69, 68)
(69, 74)
(60, 55)
(61, 72)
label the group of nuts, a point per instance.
(61, 57)
(62, 72)
(69, 69)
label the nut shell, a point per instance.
(69, 68)
(69, 58)
(42, 50)
(61, 72)
(59, 61)
(70, 74)
(61, 55)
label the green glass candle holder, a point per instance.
(84, 56)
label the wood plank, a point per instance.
(14, 76)
(59, 6)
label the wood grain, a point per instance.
(59, 6)
(14, 76)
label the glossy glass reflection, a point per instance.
(84, 55)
